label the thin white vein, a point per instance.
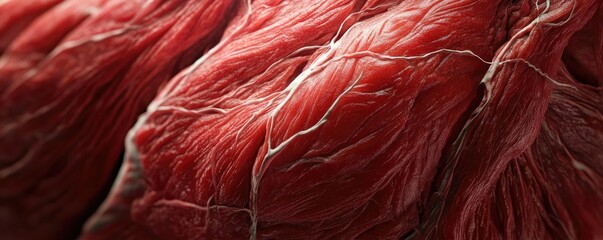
(542, 73)
(92, 10)
(486, 81)
(385, 57)
(28, 159)
(146, 4)
(575, 162)
(94, 38)
(174, 86)
(331, 44)
(546, 9)
(69, 45)
(188, 111)
(180, 203)
(131, 148)
(291, 88)
(314, 127)
(567, 19)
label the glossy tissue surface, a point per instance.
(290, 119)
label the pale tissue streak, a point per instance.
(380, 93)
(590, 111)
(209, 205)
(249, 121)
(542, 73)
(325, 160)
(575, 162)
(331, 44)
(385, 57)
(249, 9)
(271, 151)
(380, 56)
(548, 5)
(95, 38)
(356, 54)
(537, 3)
(310, 160)
(203, 110)
(26, 160)
(485, 80)
(290, 89)
(131, 148)
(193, 112)
(294, 85)
(567, 19)
(172, 87)
(322, 121)
(26, 117)
(180, 203)
(314, 47)
(485, 101)
(250, 101)
(92, 10)
(250, 83)
(68, 45)
(146, 4)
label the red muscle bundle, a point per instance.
(275, 119)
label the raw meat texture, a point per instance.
(349, 146)
(584, 54)
(276, 119)
(71, 85)
(16, 16)
(497, 150)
